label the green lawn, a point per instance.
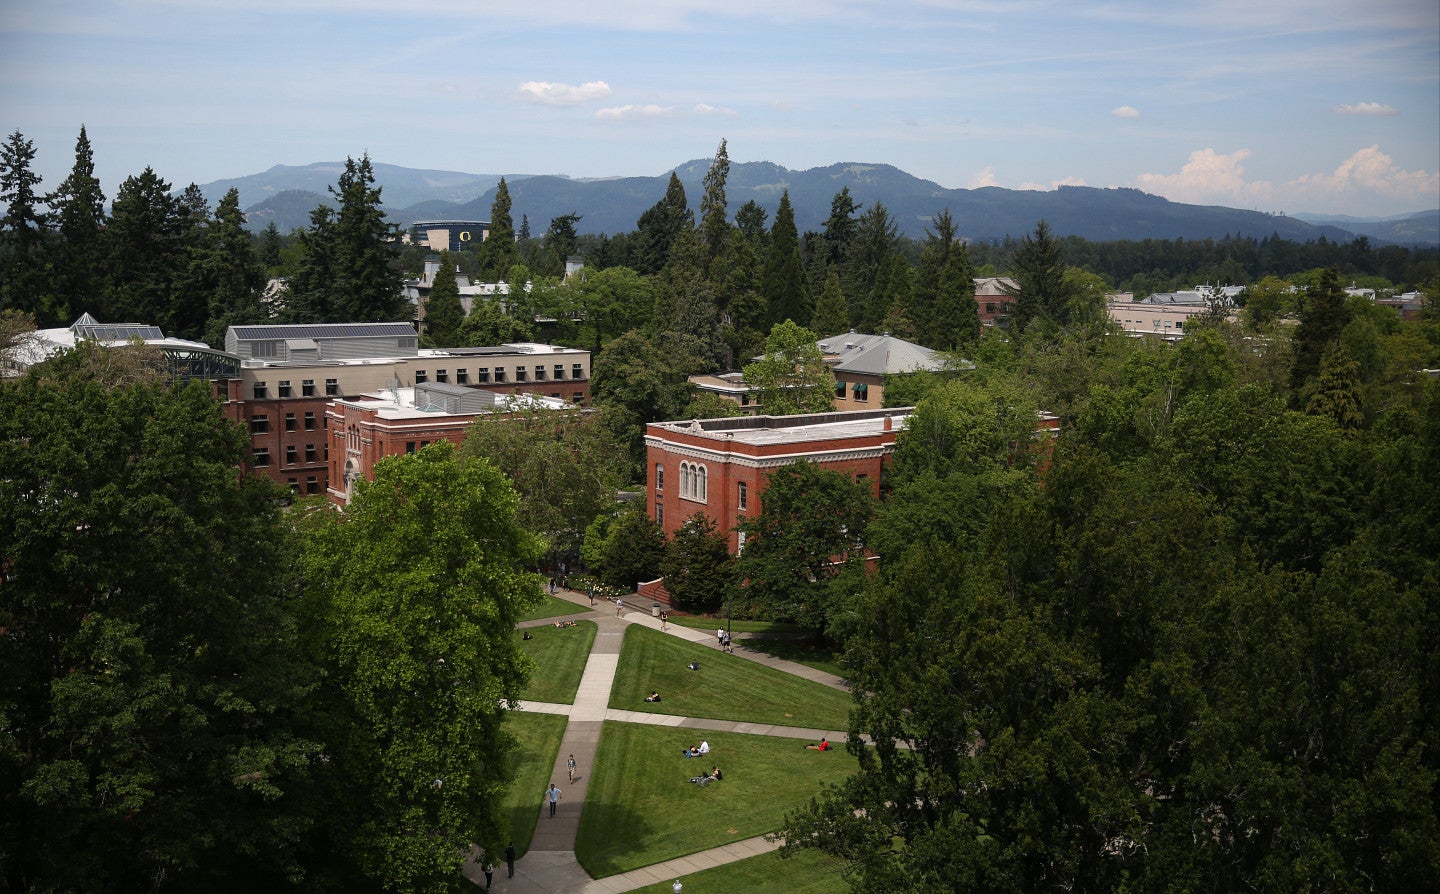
(553, 607)
(802, 651)
(641, 809)
(725, 687)
(697, 622)
(560, 654)
(807, 872)
(539, 737)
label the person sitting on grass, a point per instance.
(704, 748)
(706, 779)
(823, 745)
(715, 774)
(654, 696)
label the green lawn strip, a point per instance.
(804, 652)
(725, 687)
(539, 738)
(697, 622)
(641, 808)
(553, 607)
(807, 872)
(560, 654)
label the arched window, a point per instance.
(701, 487)
(693, 482)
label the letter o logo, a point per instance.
(464, 235)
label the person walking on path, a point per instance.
(570, 765)
(553, 794)
(510, 858)
(619, 606)
(720, 637)
(592, 595)
(489, 869)
(728, 647)
(664, 620)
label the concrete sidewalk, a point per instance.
(549, 866)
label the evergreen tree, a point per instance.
(660, 226)
(830, 313)
(714, 228)
(233, 276)
(271, 244)
(78, 210)
(750, 221)
(956, 320)
(143, 249)
(497, 254)
(444, 312)
(1336, 391)
(1038, 268)
(309, 281)
(783, 281)
(1323, 316)
(934, 255)
(875, 242)
(840, 228)
(23, 230)
(367, 284)
(697, 565)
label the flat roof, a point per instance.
(769, 430)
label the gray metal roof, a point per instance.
(878, 355)
(116, 331)
(322, 330)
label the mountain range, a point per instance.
(286, 195)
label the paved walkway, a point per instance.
(549, 867)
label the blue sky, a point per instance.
(1311, 105)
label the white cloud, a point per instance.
(1054, 184)
(1129, 113)
(1367, 108)
(563, 94)
(706, 109)
(634, 112)
(1209, 177)
(984, 177)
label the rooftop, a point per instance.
(879, 354)
(771, 430)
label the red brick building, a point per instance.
(721, 466)
(995, 303)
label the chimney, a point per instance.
(887, 423)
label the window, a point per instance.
(307, 387)
(442, 375)
(839, 390)
(539, 373)
(462, 377)
(659, 476)
(309, 421)
(659, 515)
(284, 387)
(555, 394)
(739, 541)
(482, 374)
(292, 455)
(519, 373)
(744, 496)
(744, 398)
(499, 373)
(421, 377)
(577, 371)
(262, 457)
(409, 446)
(559, 371)
(1179, 324)
(259, 390)
(861, 391)
(312, 485)
(289, 421)
(990, 307)
(294, 485)
(693, 484)
(332, 387)
(578, 396)
(259, 425)
(310, 453)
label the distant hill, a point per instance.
(613, 205)
(1420, 228)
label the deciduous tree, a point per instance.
(792, 375)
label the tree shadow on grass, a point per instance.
(608, 833)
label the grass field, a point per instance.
(725, 687)
(642, 810)
(802, 651)
(696, 622)
(560, 654)
(553, 607)
(807, 872)
(539, 737)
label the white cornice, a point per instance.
(770, 460)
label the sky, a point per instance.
(1286, 106)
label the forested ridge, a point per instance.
(1191, 643)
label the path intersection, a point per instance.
(550, 867)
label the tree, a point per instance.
(1323, 316)
(78, 209)
(830, 313)
(625, 549)
(232, 274)
(488, 324)
(840, 228)
(871, 252)
(697, 565)
(497, 253)
(956, 315)
(810, 527)
(154, 699)
(1335, 392)
(143, 247)
(613, 301)
(714, 228)
(782, 284)
(660, 226)
(444, 313)
(23, 229)
(1038, 269)
(792, 375)
(564, 464)
(412, 599)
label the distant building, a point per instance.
(449, 235)
(994, 295)
(721, 466)
(417, 289)
(184, 359)
(290, 374)
(395, 421)
(1165, 314)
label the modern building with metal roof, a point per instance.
(184, 359)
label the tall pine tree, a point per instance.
(783, 282)
(22, 229)
(78, 209)
(497, 254)
(713, 225)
